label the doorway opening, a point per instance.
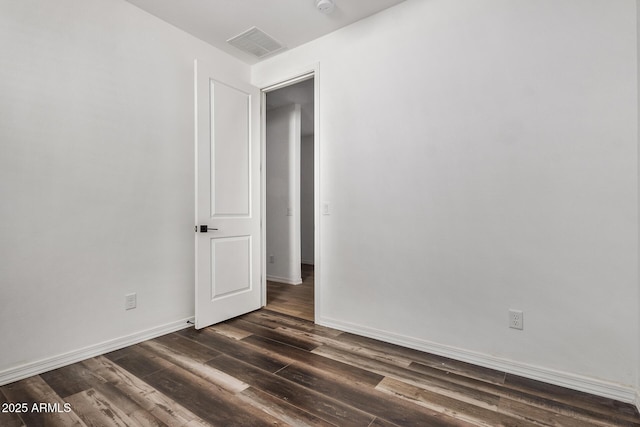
(290, 198)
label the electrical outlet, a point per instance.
(130, 301)
(516, 319)
(272, 259)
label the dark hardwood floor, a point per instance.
(293, 300)
(272, 368)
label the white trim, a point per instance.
(35, 368)
(263, 196)
(307, 261)
(317, 195)
(288, 281)
(289, 82)
(638, 400)
(564, 379)
(287, 78)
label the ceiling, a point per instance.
(291, 22)
(299, 93)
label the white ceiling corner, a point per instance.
(291, 22)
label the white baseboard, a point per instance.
(564, 379)
(297, 281)
(638, 400)
(35, 368)
(307, 262)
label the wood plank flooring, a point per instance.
(272, 368)
(296, 300)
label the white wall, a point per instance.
(480, 156)
(638, 111)
(96, 174)
(283, 194)
(306, 200)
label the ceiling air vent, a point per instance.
(255, 42)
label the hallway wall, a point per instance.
(283, 194)
(306, 200)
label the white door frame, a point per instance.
(288, 80)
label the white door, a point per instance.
(227, 197)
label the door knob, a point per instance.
(205, 228)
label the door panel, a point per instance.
(230, 150)
(227, 197)
(231, 266)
